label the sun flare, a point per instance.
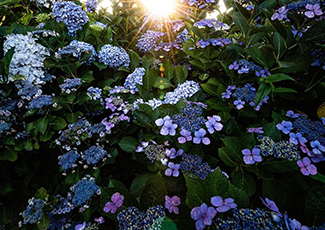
(160, 8)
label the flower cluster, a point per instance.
(94, 154)
(133, 79)
(198, 3)
(149, 40)
(91, 5)
(203, 215)
(28, 91)
(132, 218)
(153, 151)
(184, 90)
(309, 8)
(68, 160)
(63, 206)
(318, 58)
(213, 41)
(211, 23)
(70, 14)
(34, 211)
(76, 49)
(94, 93)
(243, 95)
(75, 133)
(7, 109)
(26, 65)
(40, 101)
(192, 166)
(114, 56)
(116, 103)
(83, 191)
(70, 85)
(243, 66)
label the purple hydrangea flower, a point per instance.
(203, 216)
(172, 203)
(199, 136)
(99, 220)
(172, 153)
(239, 104)
(285, 126)
(281, 14)
(255, 130)
(168, 128)
(172, 169)
(223, 205)
(317, 147)
(270, 204)
(313, 10)
(117, 201)
(80, 226)
(296, 137)
(306, 167)
(213, 124)
(251, 157)
(142, 147)
(234, 66)
(186, 136)
(297, 225)
(161, 121)
(292, 114)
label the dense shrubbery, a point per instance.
(120, 120)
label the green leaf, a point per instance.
(58, 123)
(320, 177)
(240, 21)
(278, 43)
(134, 59)
(244, 181)
(169, 72)
(5, 189)
(270, 130)
(210, 89)
(226, 157)
(263, 55)
(219, 105)
(138, 183)
(41, 124)
(26, 18)
(153, 192)
(180, 75)
(44, 223)
(277, 191)
(284, 90)
(162, 83)
(280, 166)
(197, 32)
(10, 154)
(201, 191)
(41, 194)
(128, 144)
(148, 80)
(73, 117)
(263, 90)
(168, 224)
(315, 33)
(142, 118)
(265, 5)
(315, 206)
(278, 77)
(9, 140)
(87, 76)
(240, 197)
(167, 109)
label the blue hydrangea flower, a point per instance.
(172, 153)
(203, 216)
(192, 166)
(168, 128)
(70, 85)
(280, 14)
(133, 79)
(68, 160)
(70, 14)
(91, 5)
(285, 126)
(40, 101)
(250, 157)
(84, 190)
(94, 154)
(318, 148)
(172, 169)
(149, 40)
(199, 136)
(223, 205)
(306, 167)
(114, 56)
(34, 211)
(186, 136)
(77, 48)
(295, 138)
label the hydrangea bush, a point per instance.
(120, 120)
